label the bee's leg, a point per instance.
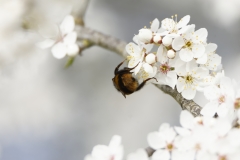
(129, 69)
(116, 69)
(123, 94)
(144, 82)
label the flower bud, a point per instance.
(150, 58)
(167, 41)
(145, 35)
(157, 39)
(171, 54)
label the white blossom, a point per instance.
(65, 43)
(191, 44)
(190, 77)
(220, 98)
(171, 27)
(114, 151)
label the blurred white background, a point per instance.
(51, 113)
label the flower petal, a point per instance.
(186, 119)
(45, 44)
(210, 109)
(211, 47)
(171, 79)
(203, 59)
(180, 84)
(67, 25)
(72, 50)
(201, 34)
(189, 93)
(155, 25)
(212, 92)
(140, 154)
(198, 50)
(155, 140)
(162, 54)
(186, 55)
(70, 38)
(178, 43)
(183, 22)
(132, 49)
(161, 155)
(115, 141)
(59, 50)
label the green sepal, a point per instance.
(69, 62)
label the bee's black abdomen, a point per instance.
(123, 87)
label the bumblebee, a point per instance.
(125, 83)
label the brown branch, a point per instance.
(118, 46)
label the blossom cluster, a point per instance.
(63, 42)
(199, 138)
(183, 57)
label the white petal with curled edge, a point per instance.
(59, 50)
(186, 55)
(161, 155)
(183, 22)
(198, 50)
(72, 50)
(186, 120)
(189, 93)
(155, 140)
(45, 44)
(155, 25)
(203, 59)
(70, 38)
(140, 154)
(67, 25)
(211, 47)
(178, 43)
(210, 109)
(180, 84)
(202, 34)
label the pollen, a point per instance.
(237, 103)
(164, 68)
(221, 99)
(169, 147)
(189, 79)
